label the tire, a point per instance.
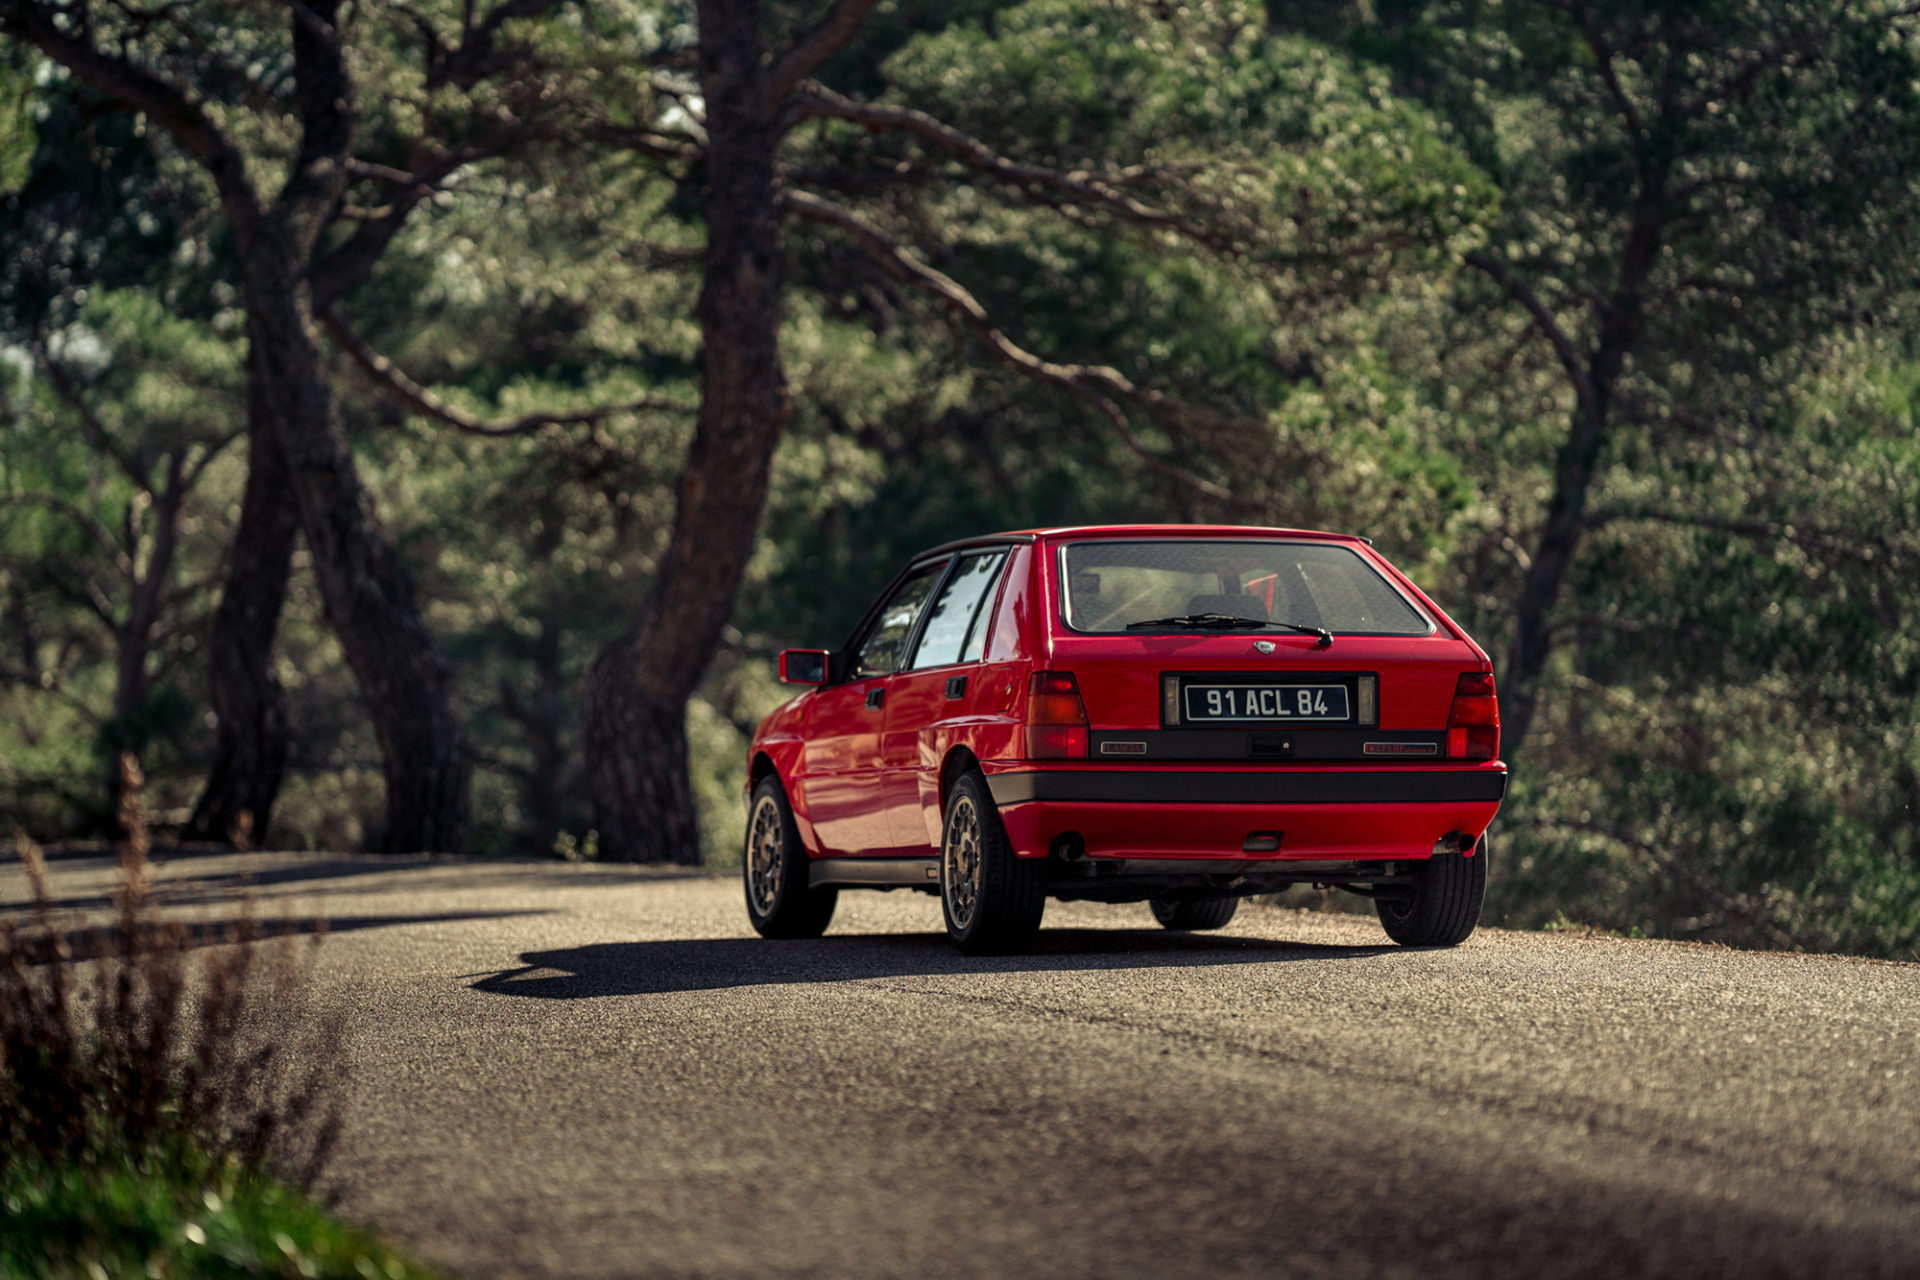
(1445, 905)
(773, 867)
(992, 899)
(1194, 914)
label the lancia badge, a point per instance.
(1264, 646)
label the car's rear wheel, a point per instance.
(1445, 903)
(780, 902)
(992, 899)
(1197, 914)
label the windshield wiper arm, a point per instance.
(1326, 636)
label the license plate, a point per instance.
(1265, 703)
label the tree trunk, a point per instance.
(636, 749)
(1575, 466)
(636, 692)
(1552, 558)
(250, 755)
(404, 680)
(542, 718)
(130, 727)
(546, 797)
(406, 683)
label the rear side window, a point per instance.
(956, 628)
(884, 648)
(1108, 586)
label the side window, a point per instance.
(955, 630)
(882, 652)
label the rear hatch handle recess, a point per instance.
(1230, 622)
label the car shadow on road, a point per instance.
(714, 964)
(221, 875)
(94, 941)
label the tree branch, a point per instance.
(346, 266)
(96, 430)
(34, 681)
(96, 530)
(138, 89)
(1610, 77)
(62, 582)
(475, 58)
(212, 450)
(423, 401)
(1097, 385)
(646, 142)
(1544, 320)
(1097, 189)
(813, 47)
(1806, 535)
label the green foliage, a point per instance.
(1742, 687)
(176, 1212)
(150, 1119)
(1726, 745)
(109, 467)
(17, 139)
(1726, 194)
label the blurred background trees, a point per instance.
(1598, 319)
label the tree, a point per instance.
(105, 451)
(1689, 193)
(1651, 373)
(169, 66)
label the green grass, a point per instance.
(175, 1214)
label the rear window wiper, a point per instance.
(1201, 622)
(1326, 636)
(1230, 622)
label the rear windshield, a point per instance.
(1109, 585)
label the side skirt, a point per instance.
(876, 873)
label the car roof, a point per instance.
(1139, 531)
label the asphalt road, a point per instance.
(585, 1071)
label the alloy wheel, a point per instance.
(765, 863)
(960, 858)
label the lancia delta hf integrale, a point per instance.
(1177, 715)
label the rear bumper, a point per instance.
(1316, 814)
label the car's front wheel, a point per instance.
(780, 902)
(1444, 905)
(1196, 914)
(992, 899)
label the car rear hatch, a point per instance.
(1267, 652)
(1218, 697)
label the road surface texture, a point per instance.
(599, 1071)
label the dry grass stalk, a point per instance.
(116, 1041)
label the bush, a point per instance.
(151, 1119)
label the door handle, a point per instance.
(956, 686)
(876, 696)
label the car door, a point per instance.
(938, 684)
(841, 781)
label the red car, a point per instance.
(1176, 714)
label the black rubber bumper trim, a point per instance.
(1358, 786)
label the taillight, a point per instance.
(1473, 727)
(1056, 718)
